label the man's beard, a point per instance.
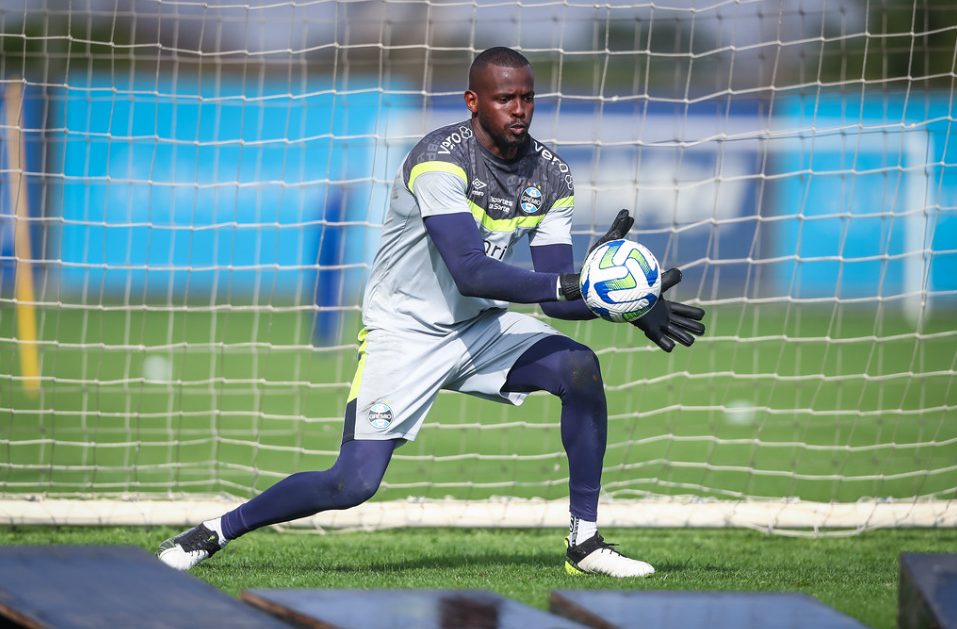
(508, 141)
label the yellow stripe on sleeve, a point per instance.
(564, 202)
(435, 167)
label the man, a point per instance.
(435, 317)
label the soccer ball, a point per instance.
(620, 281)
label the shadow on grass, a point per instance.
(501, 562)
(440, 562)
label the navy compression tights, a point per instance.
(555, 364)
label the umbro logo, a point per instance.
(478, 184)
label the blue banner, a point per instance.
(862, 191)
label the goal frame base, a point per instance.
(774, 516)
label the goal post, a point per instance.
(196, 190)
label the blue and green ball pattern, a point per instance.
(627, 294)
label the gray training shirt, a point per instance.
(448, 171)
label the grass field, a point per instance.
(819, 403)
(858, 575)
(831, 403)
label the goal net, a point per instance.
(192, 193)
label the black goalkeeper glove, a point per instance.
(569, 283)
(670, 321)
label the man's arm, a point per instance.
(552, 252)
(458, 241)
(460, 245)
(440, 193)
(559, 259)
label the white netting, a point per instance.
(192, 193)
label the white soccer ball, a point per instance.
(621, 281)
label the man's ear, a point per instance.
(471, 101)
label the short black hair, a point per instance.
(497, 56)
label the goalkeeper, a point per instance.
(435, 317)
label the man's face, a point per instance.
(503, 101)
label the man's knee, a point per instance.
(581, 371)
(334, 489)
(359, 470)
(559, 365)
(361, 488)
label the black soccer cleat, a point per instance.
(189, 548)
(595, 556)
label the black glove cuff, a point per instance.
(568, 286)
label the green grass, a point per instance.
(848, 403)
(856, 575)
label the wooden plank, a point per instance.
(396, 609)
(613, 609)
(927, 594)
(62, 587)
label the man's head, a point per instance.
(501, 97)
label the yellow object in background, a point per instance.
(25, 299)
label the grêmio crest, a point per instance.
(531, 200)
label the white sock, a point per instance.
(216, 525)
(581, 530)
